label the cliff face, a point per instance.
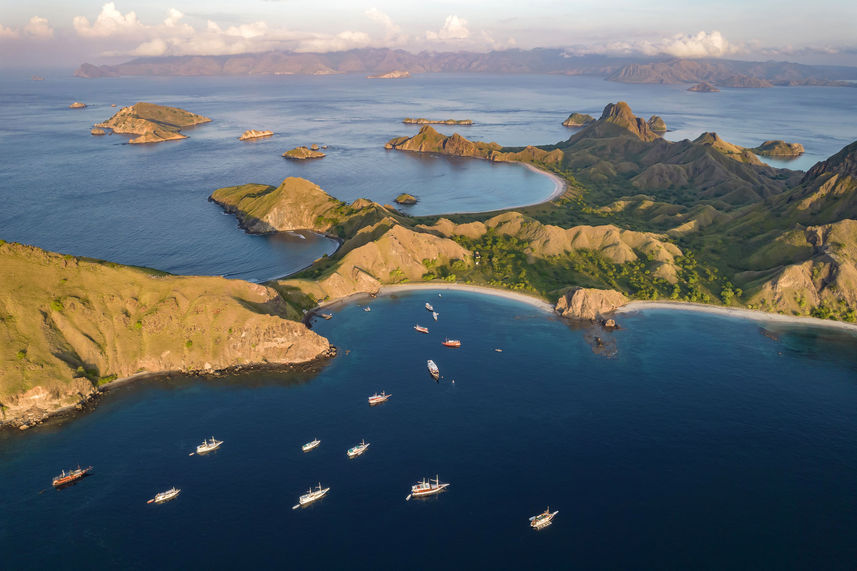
(69, 324)
(297, 204)
(589, 304)
(152, 123)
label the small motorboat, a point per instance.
(311, 496)
(432, 369)
(451, 343)
(310, 445)
(429, 307)
(425, 488)
(326, 315)
(378, 398)
(367, 308)
(162, 497)
(208, 446)
(543, 520)
(421, 329)
(434, 315)
(356, 451)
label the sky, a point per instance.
(69, 32)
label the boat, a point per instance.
(326, 315)
(433, 370)
(72, 475)
(356, 451)
(162, 497)
(429, 307)
(311, 496)
(451, 343)
(378, 398)
(367, 308)
(425, 488)
(434, 315)
(543, 520)
(208, 446)
(421, 329)
(310, 445)
(498, 350)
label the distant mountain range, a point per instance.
(726, 73)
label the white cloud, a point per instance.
(8, 33)
(342, 41)
(156, 47)
(110, 22)
(39, 28)
(392, 31)
(173, 18)
(454, 28)
(247, 31)
(702, 44)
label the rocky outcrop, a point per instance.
(703, 87)
(422, 121)
(397, 74)
(254, 134)
(428, 140)
(578, 120)
(303, 153)
(70, 325)
(779, 149)
(97, 131)
(657, 124)
(736, 152)
(152, 123)
(620, 114)
(77, 105)
(589, 304)
(406, 199)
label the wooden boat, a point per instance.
(432, 369)
(166, 496)
(311, 496)
(434, 315)
(310, 445)
(208, 446)
(451, 343)
(326, 315)
(378, 398)
(543, 520)
(421, 329)
(429, 307)
(425, 488)
(356, 451)
(73, 475)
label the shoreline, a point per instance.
(736, 312)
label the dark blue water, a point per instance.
(704, 442)
(68, 191)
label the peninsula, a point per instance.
(152, 123)
(578, 120)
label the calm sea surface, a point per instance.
(67, 191)
(698, 442)
(689, 441)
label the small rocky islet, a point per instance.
(304, 153)
(255, 134)
(152, 123)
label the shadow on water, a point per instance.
(815, 342)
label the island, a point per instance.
(37, 78)
(79, 324)
(303, 153)
(97, 131)
(578, 120)
(422, 121)
(77, 105)
(152, 123)
(779, 149)
(397, 74)
(657, 124)
(254, 134)
(406, 199)
(703, 87)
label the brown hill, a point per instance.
(152, 123)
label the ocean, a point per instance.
(686, 440)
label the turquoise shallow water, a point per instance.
(698, 441)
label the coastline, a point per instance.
(559, 184)
(531, 300)
(737, 312)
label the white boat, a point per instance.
(543, 520)
(208, 446)
(356, 451)
(428, 487)
(367, 308)
(429, 307)
(162, 497)
(421, 329)
(310, 445)
(379, 398)
(433, 370)
(434, 315)
(311, 496)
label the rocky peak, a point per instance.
(842, 163)
(620, 114)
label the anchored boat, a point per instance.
(356, 451)
(310, 445)
(208, 446)
(311, 496)
(434, 315)
(433, 370)
(162, 497)
(543, 520)
(378, 398)
(326, 315)
(428, 487)
(421, 329)
(429, 307)
(72, 475)
(451, 343)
